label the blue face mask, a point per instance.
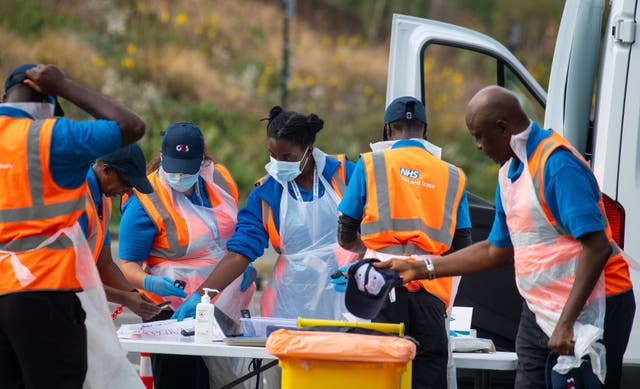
(181, 182)
(285, 171)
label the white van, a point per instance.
(606, 129)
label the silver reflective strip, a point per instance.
(386, 223)
(30, 242)
(398, 249)
(219, 180)
(547, 276)
(38, 209)
(175, 250)
(615, 250)
(544, 234)
(34, 164)
(42, 212)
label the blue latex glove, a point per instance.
(248, 277)
(340, 283)
(188, 307)
(162, 286)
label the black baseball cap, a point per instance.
(368, 287)
(19, 74)
(129, 160)
(182, 148)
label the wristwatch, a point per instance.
(431, 270)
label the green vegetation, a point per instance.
(218, 64)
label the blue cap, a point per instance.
(406, 107)
(129, 160)
(19, 74)
(581, 377)
(182, 148)
(368, 288)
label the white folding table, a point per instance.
(482, 362)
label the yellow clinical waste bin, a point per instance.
(311, 359)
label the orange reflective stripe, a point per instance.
(269, 225)
(97, 226)
(172, 239)
(34, 208)
(339, 178)
(222, 177)
(152, 296)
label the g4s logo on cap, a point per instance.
(182, 148)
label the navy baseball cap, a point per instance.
(19, 74)
(182, 148)
(129, 160)
(368, 287)
(406, 107)
(581, 377)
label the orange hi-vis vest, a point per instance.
(412, 207)
(33, 208)
(97, 226)
(556, 257)
(173, 239)
(338, 182)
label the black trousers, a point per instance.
(532, 350)
(177, 371)
(423, 316)
(43, 340)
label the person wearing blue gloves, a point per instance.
(171, 240)
(294, 207)
(404, 201)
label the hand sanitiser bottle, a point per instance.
(204, 318)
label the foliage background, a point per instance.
(218, 64)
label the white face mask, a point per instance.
(38, 111)
(181, 182)
(285, 171)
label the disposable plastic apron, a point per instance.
(208, 229)
(589, 326)
(301, 282)
(107, 365)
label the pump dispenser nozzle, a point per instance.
(205, 297)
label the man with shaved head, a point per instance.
(550, 221)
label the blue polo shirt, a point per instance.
(250, 238)
(570, 190)
(137, 229)
(355, 198)
(96, 193)
(75, 145)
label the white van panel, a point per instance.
(628, 193)
(573, 71)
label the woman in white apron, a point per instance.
(295, 209)
(179, 233)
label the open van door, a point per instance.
(431, 61)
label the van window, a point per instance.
(451, 76)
